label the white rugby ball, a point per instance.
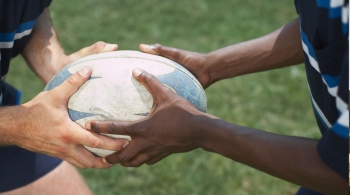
(112, 93)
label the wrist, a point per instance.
(209, 66)
(225, 62)
(205, 126)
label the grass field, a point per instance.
(275, 101)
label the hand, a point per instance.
(44, 53)
(52, 58)
(196, 63)
(172, 126)
(98, 47)
(48, 129)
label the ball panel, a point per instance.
(76, 115)
(184, 87)
(112, 93)
(58, 79)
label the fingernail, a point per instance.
(84, 72)
(149, 48)
(88, 126)
(104, 161)
(110, 46)
(125, 144)
(136, 72)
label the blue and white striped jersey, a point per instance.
(17, 19)
(324, 35)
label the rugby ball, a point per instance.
(111, 93)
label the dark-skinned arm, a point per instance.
(278, 49)
(174, 125)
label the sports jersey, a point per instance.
(18, 167)
(324, 33)
(17, 19)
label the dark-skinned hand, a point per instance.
(196, 63)
(172, 126)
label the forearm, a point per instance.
(293, 159)
(278, 49)
(43, 51)
(11, 121)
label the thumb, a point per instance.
(150, 82)
(71, 85)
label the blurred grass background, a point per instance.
(275, 101)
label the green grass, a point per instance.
(275, 101)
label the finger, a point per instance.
(109, 143)
(137, 161)
(71, 84)
(150, 82)
(125, 155)
(87, 159)
(113, 127)
(158, 49)
(98, 47)
(87, 138)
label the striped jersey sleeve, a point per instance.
(17, 19)
(324, 35)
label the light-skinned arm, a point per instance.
(44, 54)
(42, 125)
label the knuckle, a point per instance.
(148, 78)
(113, 128)
(66, 138)
(95, 143)
(177, 56)
(121, 158)
(158, 47)
(72, 80)
(98, 45)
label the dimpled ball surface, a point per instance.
(112, 93)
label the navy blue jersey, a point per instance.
(324, 32)
(18, 167)
(17, 19)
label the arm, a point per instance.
(174, 125)
(278, 49)
(42, 125)
(44, 53)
